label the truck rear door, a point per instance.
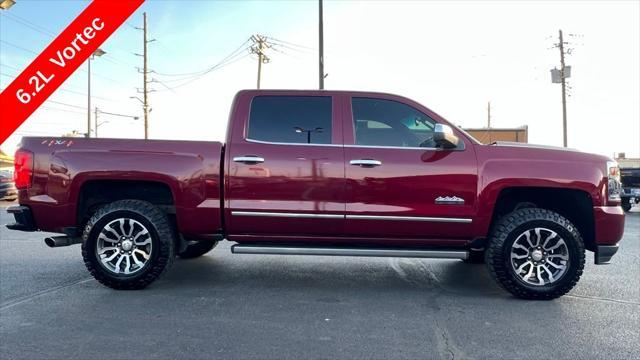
(285, 166)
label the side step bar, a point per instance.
(348, 251)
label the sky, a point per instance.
(452, 56)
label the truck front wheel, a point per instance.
(128, 244)
(535, 254)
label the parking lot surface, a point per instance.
(292, 307)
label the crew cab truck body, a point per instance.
(324, 173)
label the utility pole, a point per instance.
(95, 122)
(564, 91)
(320, 47)
(145, 106)
(489, 120)
(88, 135)
(145, 71)
(260, 45)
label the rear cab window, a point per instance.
(291, 119)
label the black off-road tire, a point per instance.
(626, 205)
(163, 240)
(506, 231)
(197, 248)
(475, 257)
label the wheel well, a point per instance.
(575, 205)
(94, 194)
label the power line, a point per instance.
(65, 104)
(18, 47)
(29, 24)
(50, 34)
(290, 43)
(220, 66)
(204, 71)
(65, 110)
(233, 57)
(61, 88)
(33, 52)
(216, 68)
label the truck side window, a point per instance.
(379, 122)
(290, 119)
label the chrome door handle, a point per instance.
(366, 162)
(249, 159)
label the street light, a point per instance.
(301, 130)
(98, 52)
(108, 113)
(6, 4)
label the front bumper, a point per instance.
(604, 253)
(23, 217)
(609, 228)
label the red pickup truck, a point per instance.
(324, 173)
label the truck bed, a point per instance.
(64, 168)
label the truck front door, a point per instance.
(285, 167)
(399, 185)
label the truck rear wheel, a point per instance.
(128, 244)
(626, 205)
(535, 254)
(197, 248)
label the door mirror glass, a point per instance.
(444, 137)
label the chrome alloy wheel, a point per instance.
(124, 246)
(539, 256)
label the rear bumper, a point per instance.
(23, 219)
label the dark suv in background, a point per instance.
(630, 178)
(7, 186)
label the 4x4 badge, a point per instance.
(453, 200)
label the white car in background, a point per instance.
(7, 186)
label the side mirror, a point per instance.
(444, 137)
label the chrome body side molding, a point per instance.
(352, 217)
(290, 215)
(410, 218)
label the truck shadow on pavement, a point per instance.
(331, 274)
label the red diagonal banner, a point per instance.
(60, 59)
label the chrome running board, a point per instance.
(348, 251)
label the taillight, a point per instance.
(23, 173)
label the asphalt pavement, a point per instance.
(296, 307)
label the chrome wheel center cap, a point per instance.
(128, 244)
(536, 255)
